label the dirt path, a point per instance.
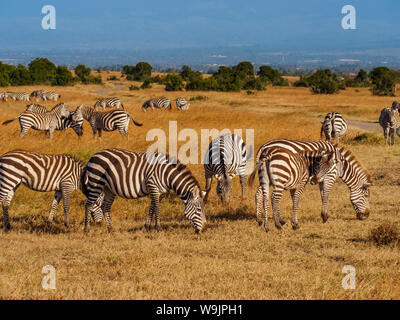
(364, 125)
(107, 91)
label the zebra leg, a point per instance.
(5, 203)
(51, 131)
(107, 203)
(156, 211)
(275, 199)
(296, 193)
(208, 187)
(66, 195)
(325, 189)
(23, 132)
(259, 205)
(391, 136)
(99, 133)
(243, 180)
(54, 205)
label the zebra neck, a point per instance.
(352, 173)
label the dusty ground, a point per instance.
(234, 258)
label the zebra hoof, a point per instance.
(282, 222)
(110, 230)
(324, 218)
(158, 228)
(260, 222)
(147, 227)
(266, 228)
(7, 228)
(295, 226)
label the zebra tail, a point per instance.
(84, 181)
(9, 121)
(322, 130)
(252, 176)
(122, 106)
(136, 123)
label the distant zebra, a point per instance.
(158, 103)
(107, 121)
(132, 175)
(41, 172)
(334, 126)
(18, 96)
(109, 103)
(36, 94)
(3, 96)
(182, 104)
(225, 158)
(390, 121)
(63, 123)
(346, 167)
(49, 96)
(48, 121)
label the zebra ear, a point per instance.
(203, 194)
(367, 184)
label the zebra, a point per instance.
(346, 167)
(132, 175)
(18, 96)
(182, 104)
(63, 123)
(36, 94)
(48, 96)
(41, 172)
(334, 126)
(159, 103)
(107, 121)
(225, 158)
(48, 121)
(285, 170)
(3, 96)
(389, 120)
(109, 103)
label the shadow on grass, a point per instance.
(233, 214)
(37, 224)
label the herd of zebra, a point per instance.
(280, 163)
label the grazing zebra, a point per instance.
(225, 158)
(334, 126)
(63, 123)
(49, 96)
(390, 121)
(107, 121)
(132, 175)
(41, 172)
(18, 96)
(182, 104)
(109, 103)
(285, 170)
(346, 167)
(3, 96)
(37, 94)
(159, 103)
(48, 121)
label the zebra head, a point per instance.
(359, 197)
(194, 210)
(224, 186)
(77, 122)
(96, 210)
(321, 166)
(61, 110)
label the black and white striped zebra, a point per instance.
(182, 104)
(18, 96)
(389, 120)
(132, 175)
(36, 94)
(158, 103)
(334, 126)
(346, 167)
(225, 158)
(104, 103)
(41, 172)
(3, 96)
(105, 121)
(48, 121)
(63, 123)
(48, 95)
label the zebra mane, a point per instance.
(181, 168)
(345, 152)
(57, 106)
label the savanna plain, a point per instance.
(234, 258)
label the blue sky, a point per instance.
(124, 24)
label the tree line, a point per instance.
(242, 76)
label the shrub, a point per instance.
(323, 82)
(146, 84)
(198, 98)
(173, 82)
(20, 76)
(140, 72)
(368, 138)
(112, 78)
(383, 81)
(63, 77)
(385, 234)
(132, 87)
(273, 76)
(42, 71)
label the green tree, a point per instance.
(140, 72)
(42, 71)
(173, 82)
(383, 81)
(82, 72)
(271, 75)
(64, 77)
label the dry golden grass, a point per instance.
(234, 258)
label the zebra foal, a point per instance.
(41, 172)
(132, 175)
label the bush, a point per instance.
(132, 87)
(173, 82)
(324, 82)
(383, 81)
(20, 76)
(140, 72)
(361, 80)
(368, 138)
(385, 234)
(64, 77)
(146, 84)
(273, 76)
(42, 71)
(112, 78)
(84, 75)
(198, 98)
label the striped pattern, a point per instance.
(131, 175)
(48, 121)
(41, 172)
(104, 103)
(45, 96)
(334, 126)
(182, 104)
(389, 120)
(346, 167)
(225, 158)
(3, 96)
(36, 94)
(105, 121)
(18, 96)
(158, 103)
